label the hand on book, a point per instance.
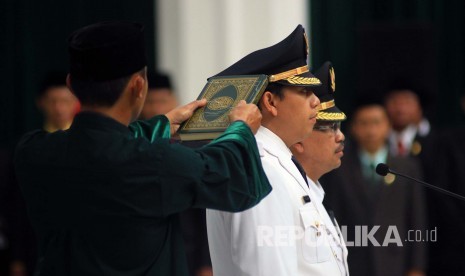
(249, 113)
(182, 113)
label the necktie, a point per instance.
(373, 172)
(301, 170)
(304, 175)
(330, 212)
(401, 150)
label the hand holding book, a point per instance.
(248, 113)
(180, 114)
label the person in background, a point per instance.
(56, 102)
(412, 133)
(160, 96)
(104, 196)
(321, 153)
(386, 208)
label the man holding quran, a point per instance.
(279, 236)
(104, 196)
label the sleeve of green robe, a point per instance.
(226, 174)
(152, 129)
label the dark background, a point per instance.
(33, 41)
(372, 42)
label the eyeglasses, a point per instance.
(327, 126)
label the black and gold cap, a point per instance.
(328, 111)
(284, 63)
(107, 50)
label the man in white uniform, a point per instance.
(283, 234)
(321, 153)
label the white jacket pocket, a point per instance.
(315, 245)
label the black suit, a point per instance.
(17, 240)
(358, 203)
(429, 150)
(447, 255)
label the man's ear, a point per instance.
(268, 102)
(68, 82)
(137, 86)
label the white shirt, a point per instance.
(337, 243)
(282, 235)
(424, 127)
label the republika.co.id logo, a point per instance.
(361, 236)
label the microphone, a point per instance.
(383, 169)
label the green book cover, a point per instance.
(222, 94)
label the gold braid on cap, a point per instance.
(303, 80)
(290, 73)
(327, 116)
(326, 105)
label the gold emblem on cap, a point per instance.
(333, 79)
(326, 105)
(289, 73)
(308, 44)
(303, 80)
(327, 116)
(416, 148)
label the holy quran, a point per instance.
(222, 94)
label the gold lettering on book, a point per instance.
(220, 103)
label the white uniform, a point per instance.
(283, 234)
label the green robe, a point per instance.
(104, 198)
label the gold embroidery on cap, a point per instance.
(326, 105)
(333, 79)
(327, 116)
(308, 44)
(289, 73)
(303, 80)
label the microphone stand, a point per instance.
(430, 186)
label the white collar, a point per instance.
(424, 127)
(269, 140)
(407, 136)
(317, 189)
